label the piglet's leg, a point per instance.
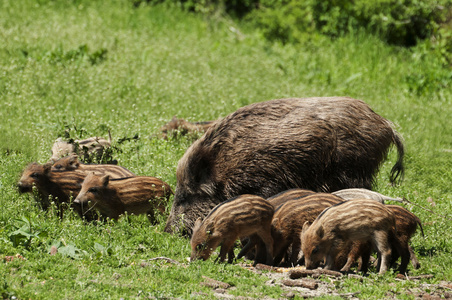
(226, 247)
(267, 239)
(382, 243)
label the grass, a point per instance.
(86, 67)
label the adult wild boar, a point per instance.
(321, 144)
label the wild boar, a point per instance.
(356, 193)
(87, 147)
(113, 197)
(320, 144)
(236, 218)
(361, 220)
(297, 195)
(180, 126)
(289, 219)
(59, 186)
(406, 225)
(72, 163)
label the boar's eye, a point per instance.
(35, 175)
(315, 250)
(93, 190)
(58, 166)
(200, 247)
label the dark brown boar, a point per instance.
(357, 193)
(320, 144)
(406, 225)
(361, 220)
(59, 186)
(72, 163)
(289, 219)
(236, 218)
(180, 126)
(113, 197)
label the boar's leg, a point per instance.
(402, 248)
(414, 260)
(261, 256)
(279, 254)
(381, 241)
(296, 248)
(365, 251)
(351, 257)
(265, 235)
(252, 242)
(231, 255)
(226, 248)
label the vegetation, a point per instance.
(78, 68)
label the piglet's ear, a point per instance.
(197, 224)
(320, 232)
(47, 167)
(305, 227)
(105, 180)
(73, 160)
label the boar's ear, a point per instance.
(47, 167)
(73, 160)
(201, 164)
(105, 180)
(320, 232)
(305, 227)
(197, 224)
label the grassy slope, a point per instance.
(159, 63)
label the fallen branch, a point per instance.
(265, 267)
(304, 283)
(214, 284)
(418, 277)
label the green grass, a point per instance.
(86, 67)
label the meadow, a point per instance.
(82, 68)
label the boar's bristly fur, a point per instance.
(236, 218)
(321, 144)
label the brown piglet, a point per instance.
(236, 218)
(72, 163)
(60, 187)
(289, 219)
(360, 220)
(406, 225)
(113, 197)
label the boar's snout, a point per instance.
(23, 188)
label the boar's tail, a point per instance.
(398, 169)
(422, 229)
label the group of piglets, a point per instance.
(295, 226)
(92, 190)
